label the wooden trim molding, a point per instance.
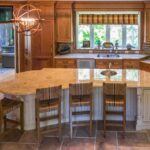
(109, 5)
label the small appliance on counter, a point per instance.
(108, 46)
(146, 46)
(64, 48)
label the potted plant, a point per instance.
(116, 44)
(98, 43)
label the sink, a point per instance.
(108, 73)
(108, 55)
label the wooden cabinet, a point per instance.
(145, 66)
(147, 25)
(104, 64)
(42, 43)
(64, 22)
(65, 63)
(131, 64)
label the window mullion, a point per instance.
(124, 35)
(92, 36)
(77, 30)
(107, 32)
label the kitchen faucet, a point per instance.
(110, 64)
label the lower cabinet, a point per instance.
(131, 64)
(41, 62)
(65, 63)
(143, 105)
(145, 66)
(105, 64)
(146, 105)
(99, 63)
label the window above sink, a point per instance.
(91, 35)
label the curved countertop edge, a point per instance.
(22, 86)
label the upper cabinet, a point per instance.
(147, 25)
(147, 22)
(64, 22)
(42, 42)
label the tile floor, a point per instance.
(133, 140)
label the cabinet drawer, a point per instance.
(104, 64)
(65, 63)
(131, 64)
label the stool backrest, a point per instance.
(48, 93)
(80, 89)
(114, 89)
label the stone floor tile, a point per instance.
(49, 143)
(78, 144)
(11, 135)
(29, 137)
(132, 148)
(84, 131)
(108, 142)
(15, 146)
(135, 139)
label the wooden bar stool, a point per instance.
(48, 100)
(8, 105)
(114, 102)
(80, 95)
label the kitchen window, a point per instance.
(93, 35)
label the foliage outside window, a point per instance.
(120, 35)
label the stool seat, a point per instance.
(114, 103)
(9, 105)
(80, 103)
(81, 100)
(45, 108)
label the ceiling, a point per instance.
(86, 0)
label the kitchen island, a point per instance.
(24, 85)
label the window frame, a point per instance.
(124, 31)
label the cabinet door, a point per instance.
(64, 25)
(65, 63)
(145, 66)
(131, 64)
(147, 25)
(42, 41)
(105, 64)
(146, 105)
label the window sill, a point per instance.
(105, 49)
(119, 51)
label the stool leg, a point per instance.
(1, 117)
(1, 122)
(37, 120)
(59, 120)
(104, 120)
(91, 124)
(124, 120)
(70, 122)
(5, 123)
(22, 116)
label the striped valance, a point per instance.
(108, 19)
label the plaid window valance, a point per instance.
(108, 19)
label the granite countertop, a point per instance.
(27, 82)
(102, 56)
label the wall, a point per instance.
(59, 27)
